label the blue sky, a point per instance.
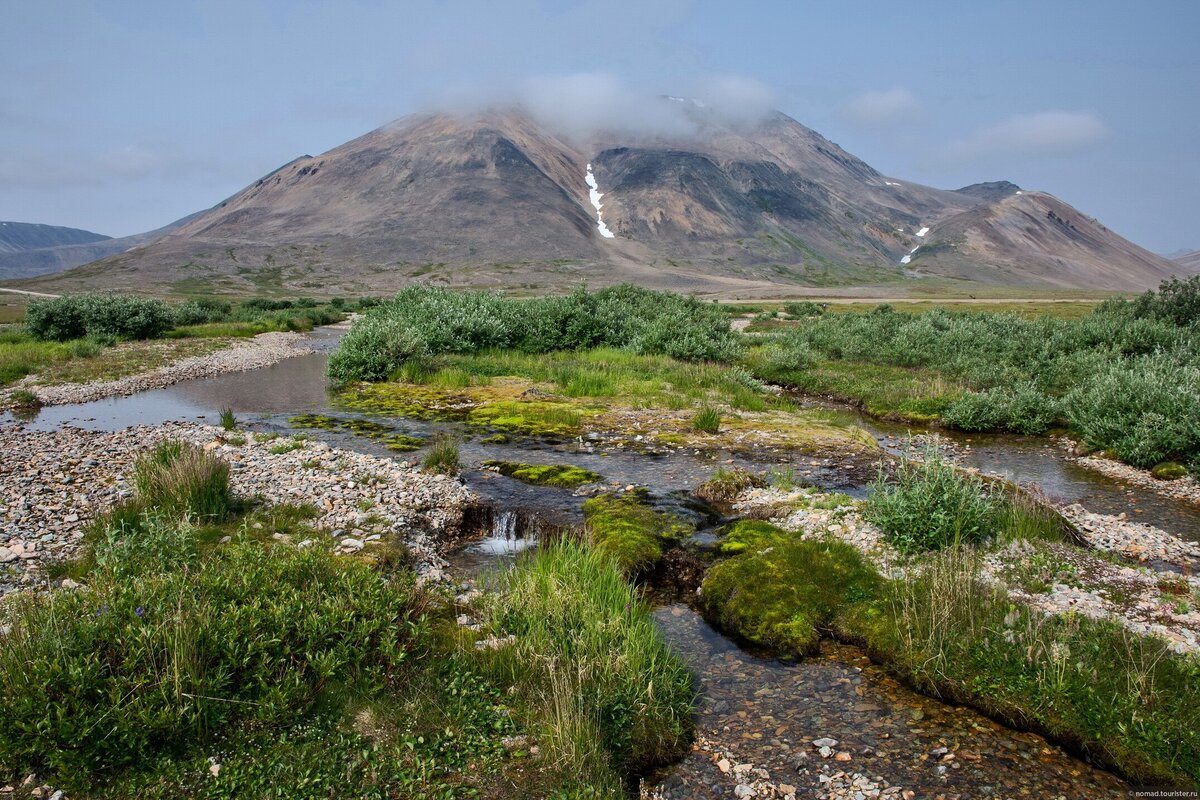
(122, 116)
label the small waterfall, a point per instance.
(504, 526)
(508, 533)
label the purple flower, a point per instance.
(139, 611)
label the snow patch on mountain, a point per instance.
(594, 195)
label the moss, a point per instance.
(388, 435)
(1169, 471)
(750, 534)
(529, 417)
(781, 592)
(561, 475)
(496, 438)
(631, 532)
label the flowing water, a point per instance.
(766, 710)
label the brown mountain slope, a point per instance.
(495, 199)
(1189, 261)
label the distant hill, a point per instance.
(16, 237)
(496, 199)
(73, 247)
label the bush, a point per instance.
(422, 321)
(1019, 409)
(805, 308)
(181, 479)
(97, 315)
(150, 661)
(1144, 410)
(930, 505)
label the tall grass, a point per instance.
(181, 479)
(618, 701)
(442, 456)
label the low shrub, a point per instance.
(804, 308)
(930, 505)
(1019, 409)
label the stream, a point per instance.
(763, 711)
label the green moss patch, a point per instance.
(529, 418)
(561, 475)
(1169, 471)
(630, 531)
(389, 436)
(781, 592)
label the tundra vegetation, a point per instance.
(1123, 379)
(1127, 700)
(207, 655)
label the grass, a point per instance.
(616, 701)
(227, 420)
(560, 475)
(628, 530)
(181, 479)
(707, 420)
(442, 456)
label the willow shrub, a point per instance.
(422, 321)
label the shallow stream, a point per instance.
(764, 711)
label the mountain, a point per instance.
(497, 199)
(71, 250)
(1190, 259)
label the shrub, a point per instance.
(97, 315)
(930, 505)
(707, 420)
(805, 308)
(1142, 409)
(423, 321)
(180, 479)
(1019, 409)
(148, 661)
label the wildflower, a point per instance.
(140, 611)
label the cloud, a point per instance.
(583, 104)
(1045, 132)
(882, 107)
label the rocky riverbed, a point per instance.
(241, 354)
(54, 483)
(1186, 488)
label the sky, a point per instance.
(120, 116)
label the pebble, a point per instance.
(406, 502)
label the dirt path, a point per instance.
(28, 294)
